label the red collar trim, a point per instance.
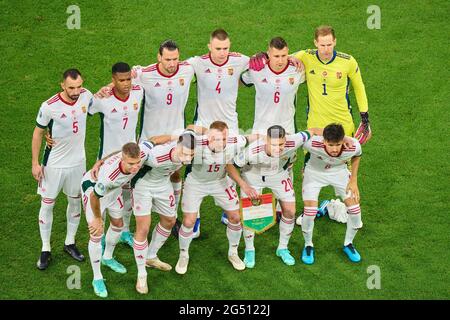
(120, 99)
(280, 72)
(218, 65)
(169, 76)
(66, 102)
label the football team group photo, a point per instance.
(223, 156)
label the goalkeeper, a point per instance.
(328, 76)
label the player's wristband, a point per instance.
(364, 117)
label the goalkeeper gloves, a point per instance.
(258, 61)
(364, 133)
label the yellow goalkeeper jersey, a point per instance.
(328, 89)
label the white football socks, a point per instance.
(45, 222)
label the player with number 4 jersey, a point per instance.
(217, 75)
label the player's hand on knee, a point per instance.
(96, 227)
(258, 61)
(352, 190)
(298, 64)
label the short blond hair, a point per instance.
(323, 30)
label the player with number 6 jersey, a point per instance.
(276, 88)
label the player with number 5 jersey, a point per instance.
(63, 163)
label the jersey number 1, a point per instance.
(324, 93)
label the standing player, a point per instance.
(276, 88)
(106, 193)
(217, 75)
(207, 176)
(152, 190)
(264, 164)
(64, 163)
(119, 115)
(328, 166)
(166, 86)
(328, 76)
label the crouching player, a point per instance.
(264, 164)
(327, 166)
(207, 177)
(106, 193)
(153, 191)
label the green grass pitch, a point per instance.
(404, 173)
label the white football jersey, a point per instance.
(210, 166)
(165, 99)
(254, 159)
(321, 161)
(275, 99)
(111, 177)
(158, 167)
(217, 89)
(118, 118)
(66, 123)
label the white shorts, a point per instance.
(223, 191)
(146, 199)
(280, 184)
(67, 179)
(112, 201)
(314, 181)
